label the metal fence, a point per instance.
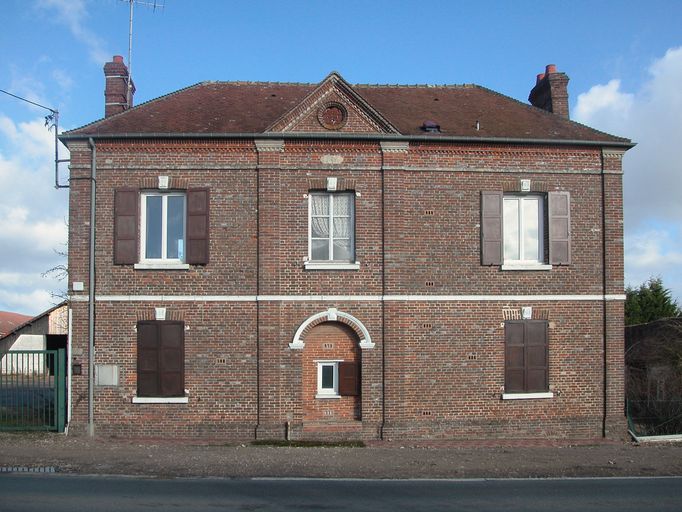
(33, 390)
(655, 417)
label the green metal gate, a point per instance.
(33, 390)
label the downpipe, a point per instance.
(91, 290)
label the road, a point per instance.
(24, 492)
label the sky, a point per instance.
(624, 59)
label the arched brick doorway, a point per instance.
(331, 374)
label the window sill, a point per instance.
(526, 396)
(161, 266)
(328, 396)
(526, 266)
(160, 399)
(331, 265)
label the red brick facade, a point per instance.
(422, 317)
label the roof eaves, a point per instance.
(621, 143)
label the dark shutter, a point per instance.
(349, 379)
(171, 358)
(491, 228)
(526, 356)
(126, 204)
(559, 228)
(515, 363)
(197, 226)
(160, 358)
(147, 359)
(537, 374)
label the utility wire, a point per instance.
(29, 101)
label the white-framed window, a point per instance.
(523, 218)
(163, 226)
(327, 379)
(331, 227)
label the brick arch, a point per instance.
(332, 315)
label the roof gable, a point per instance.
(333, 105)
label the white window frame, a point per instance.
(522, 264)
(164, 228)
(333, 264)
(327, 392)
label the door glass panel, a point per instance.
(320, 227)
(531, 229)
(153, 227)
(176, 227)
(511, 229)
(327, 376)
(342, 250)
(320, 249)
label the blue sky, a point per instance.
(624, 59)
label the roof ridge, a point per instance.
(257, 82)
(420, 86)
(542, 111)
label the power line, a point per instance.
(29, 101)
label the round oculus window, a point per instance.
(332, 116)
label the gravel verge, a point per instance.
(153, 458)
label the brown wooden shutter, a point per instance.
(559, 228)
(515, 360)
(197, 226)
(171, 358)
(349, 379)
(537, 369)
(147, 359)
(491, 228)
(126, 207)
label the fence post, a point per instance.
(60, 386)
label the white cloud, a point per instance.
(63, 79)
(30, 302)
(604, 101)
(73, 14)
(651, 117)
(653, 249)
(32, 216)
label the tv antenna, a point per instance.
(154, 4)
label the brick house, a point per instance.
(346, 261)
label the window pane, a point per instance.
(319, 227)
(327, 376)
(320, 249)
(153, 227)
(511, 229)
(342, 204)
(342, 251)
(319, 204)
(176, 227)
(342, 227)
(531, 229)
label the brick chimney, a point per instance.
(116, 87)
(551, 91)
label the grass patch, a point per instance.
(308, 444)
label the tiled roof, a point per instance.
(9, 321)
(250, 107)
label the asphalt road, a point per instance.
(56, 493)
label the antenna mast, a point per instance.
(153, 4)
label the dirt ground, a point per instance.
(378, 460)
